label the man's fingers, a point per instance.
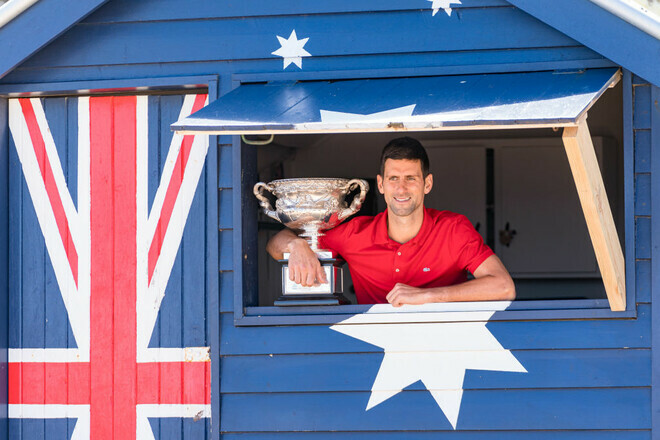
(320, 275)
(309, 279)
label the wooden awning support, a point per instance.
(597, 212)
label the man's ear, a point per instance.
(428, 183)
(379, 183)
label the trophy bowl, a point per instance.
(311, 204)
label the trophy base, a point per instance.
(310, 300)
(328, 294)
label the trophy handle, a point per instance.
(263, 200)
(356, 204)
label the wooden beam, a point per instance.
(597, 212)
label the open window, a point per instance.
(512, 148)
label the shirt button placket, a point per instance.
(396, 268)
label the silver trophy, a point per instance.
(312, 205)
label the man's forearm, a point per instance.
(496, 287)
(486, 288)
(282, 242)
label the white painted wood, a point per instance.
(435, 354)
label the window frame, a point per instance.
(561, 309)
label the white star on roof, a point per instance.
(444, 4)
(437, 354)
(292, 50)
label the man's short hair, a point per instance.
(405, 148)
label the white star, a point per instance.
(292, 50)
(399, 112)
(444, 4)
(435, 353)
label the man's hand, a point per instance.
(404, 294)
(304, 265)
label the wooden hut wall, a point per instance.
(583, 376)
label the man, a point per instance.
(407, 254)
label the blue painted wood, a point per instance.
(643, 281)
(655, 255)
(174, 83)
(513, 315)
(225, 211)
(416, 410)
(198, 40)
(637, 80)
(226, 246)
(41, 320)
(602, 32)
(357, 371)
(643, 194)
(240, 298)
(642, 107)
(629, 159)
(226, 291)
(643, 237)
(642, 151)
(39, 25)
(512, 335)
(125, 10)
(363, 308)
(4, 263)
(436, 63)
(442, 101)
(225, 167)
(212, 264)
(442, 435)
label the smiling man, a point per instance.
(408, 254)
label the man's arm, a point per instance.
(304, 265)
(491, 282)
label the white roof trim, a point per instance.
(633, 13)
(12, 9)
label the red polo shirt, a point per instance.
(444, 248)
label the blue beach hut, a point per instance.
(136, 296)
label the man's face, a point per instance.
(404, 186)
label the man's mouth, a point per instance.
(401, 199)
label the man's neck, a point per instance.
(404, 229)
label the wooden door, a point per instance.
(108, 335)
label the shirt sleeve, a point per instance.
(468, 245)
(332, 239)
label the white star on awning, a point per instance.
(437, 354)
(393, 114)
(292, 49)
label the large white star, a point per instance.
(330, 116)
(292, 50)
(444, 4)
(435, 353)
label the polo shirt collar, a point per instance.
(381, 236)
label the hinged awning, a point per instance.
(502, 100)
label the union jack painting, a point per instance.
(108, 316)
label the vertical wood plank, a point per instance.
(4, 264)
(629, 167)
(212, 276)
(655, 262)
(597, 212)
